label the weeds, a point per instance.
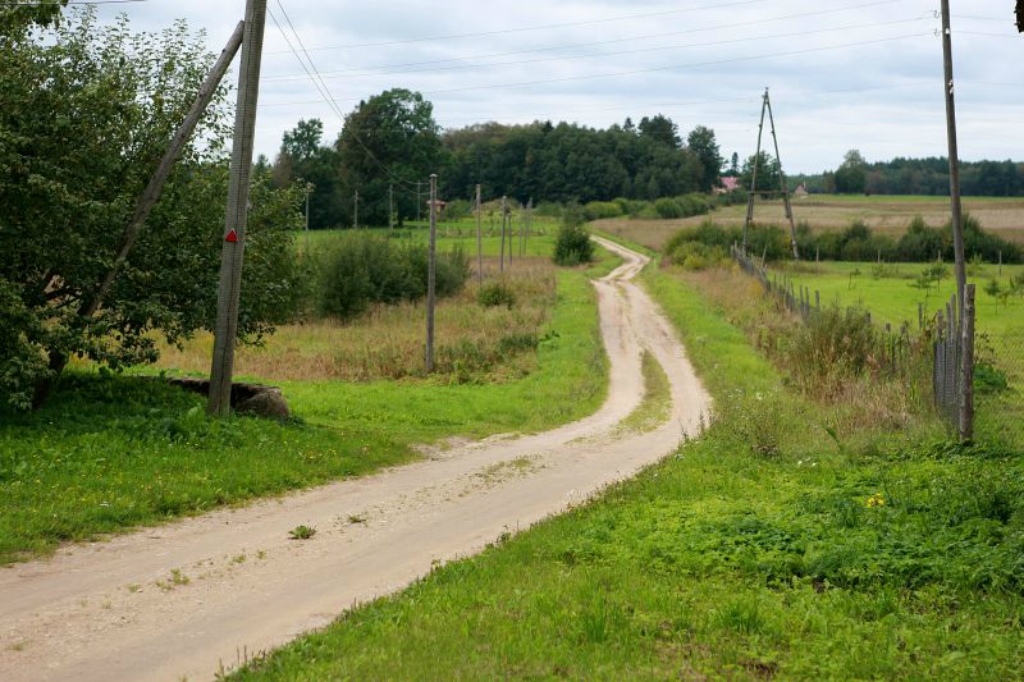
(301, 533)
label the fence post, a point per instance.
(967, 375)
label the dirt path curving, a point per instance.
(183, 601)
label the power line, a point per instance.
(542, 27)
(705, 29)
(656, 69)
(646, 50)
(325, 92)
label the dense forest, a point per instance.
(391, 144)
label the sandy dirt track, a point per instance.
(183, 601)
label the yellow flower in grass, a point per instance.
(876, 500)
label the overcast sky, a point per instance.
(848, 74)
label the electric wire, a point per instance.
(704, 29)
(325, 92)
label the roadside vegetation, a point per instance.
(801, 537)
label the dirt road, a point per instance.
(183, 601)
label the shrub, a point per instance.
(362, 270)
(495, 294)
(573, 245)
(668, 209)
(598, 210)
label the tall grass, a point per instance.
(475, 342)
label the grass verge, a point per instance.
(769, 548)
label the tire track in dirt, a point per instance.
(189, 599)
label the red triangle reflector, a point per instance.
(232, 237)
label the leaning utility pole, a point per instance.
(782, 179)
(753, 176)
(432, 273)
(233, 249)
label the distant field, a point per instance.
(885, 214)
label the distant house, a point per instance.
(727, 185)
(801, 191)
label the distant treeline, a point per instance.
(568, 162)
(928, 177)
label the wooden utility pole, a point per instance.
(766, 107)
(504, 219)
(966, 404)
(233, 249)
(479, 236)
(782, 179)
(954, 160)
(432, 273)
(753, 176)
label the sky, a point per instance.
(849, 74)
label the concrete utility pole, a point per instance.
(309, 190)
(432, 273)
(355, 211)
(391, 207)
(479, 236)
(233, 250)
(418, 199)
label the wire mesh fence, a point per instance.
(996, 364)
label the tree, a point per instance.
(15, 18)
(69, 184)
(303, 160)
(769, 177)
(702, 143)
(390, 139)
(660, 129)
(851, 176)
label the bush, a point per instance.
(495, 294)
(695, 256)
(573, 245)
(668, 209)
(363, 270)
(598, 210)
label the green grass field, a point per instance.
(892, 555)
